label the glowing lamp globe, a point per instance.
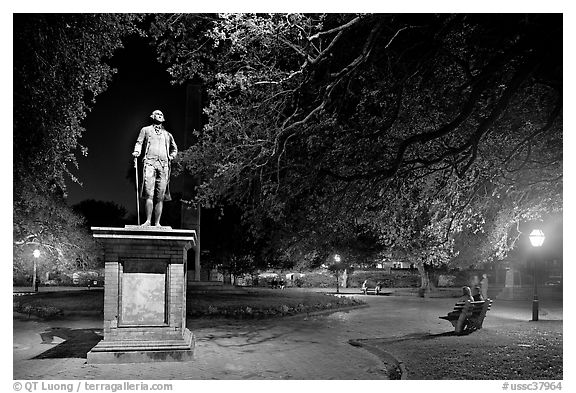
(537, 238)
(36, 253)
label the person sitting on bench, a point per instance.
(477, 294)
(466, 296)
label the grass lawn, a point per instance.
(520, 351)
(59, 303)
(239, 303)
(261, 302)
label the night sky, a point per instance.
(140, 86)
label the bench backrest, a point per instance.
(477, 306)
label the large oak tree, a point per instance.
(421, 130)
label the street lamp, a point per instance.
(536, 239)
(337, 260)
(36, 254)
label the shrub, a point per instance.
(21, 279)
(40, 310)
(394, 279)
(317, 280)
(271, 308)
(446, 280)
(284, 309)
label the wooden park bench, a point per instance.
(371, 290)
(468, 316)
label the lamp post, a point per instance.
(337, 259)
(536, 239)
(36, 254)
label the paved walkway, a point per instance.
(299, 347)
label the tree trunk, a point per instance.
(426, 284)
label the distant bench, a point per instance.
(371, 290)
(468, 316)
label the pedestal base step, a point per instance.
(141, 351)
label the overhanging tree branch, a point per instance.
(513, 86)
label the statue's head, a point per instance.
(157, 116)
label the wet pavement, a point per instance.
(314, 347)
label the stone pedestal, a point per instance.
(144, 295)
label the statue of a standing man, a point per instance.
(159, 150)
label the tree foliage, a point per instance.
(43, 221)
(59, 69)
(420, 130)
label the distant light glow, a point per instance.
(337, 258)
(36, 253)
(537, 238)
